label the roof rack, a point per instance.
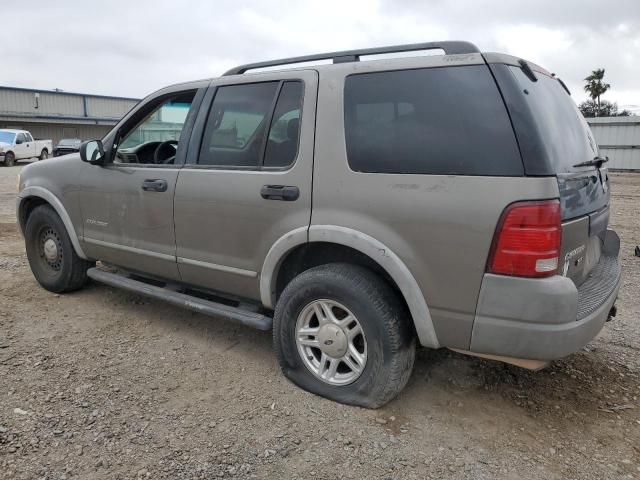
(449, 47)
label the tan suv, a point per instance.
(356, 209)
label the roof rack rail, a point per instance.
(449, 47)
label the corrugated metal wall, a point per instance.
(23, 102)
(619, 139)
(57, 115)
(57, 131)
(108, 107)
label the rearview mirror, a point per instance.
(92, 152)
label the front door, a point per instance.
(23, 147)
(127, 205)
(247, 181)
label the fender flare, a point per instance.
(51, 199)
(369, 246)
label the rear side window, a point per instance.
(252, 125)
(444, 121)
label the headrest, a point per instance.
(292, 128)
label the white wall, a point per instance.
(619, 139)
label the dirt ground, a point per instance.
(106, 384)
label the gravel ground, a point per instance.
(106, 384)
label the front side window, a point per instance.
(155, 137)
(443, 121)
(253, 125)
(21, 138)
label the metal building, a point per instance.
(619, 139)
(56, 114)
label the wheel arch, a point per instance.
(370, 250)
(31, 197)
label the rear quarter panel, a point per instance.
(441, 226)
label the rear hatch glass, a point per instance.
(566, 141)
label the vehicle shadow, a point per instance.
(589, 386)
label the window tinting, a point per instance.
(282, 145)
(446, 121)
(566, 137)
(234, 134)
(240, 115)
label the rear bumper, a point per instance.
(545, 319)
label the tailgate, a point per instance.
(555, 140)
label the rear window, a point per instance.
(446, 121)
(565, 135)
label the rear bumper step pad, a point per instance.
(207, 307)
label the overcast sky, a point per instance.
(133, 47)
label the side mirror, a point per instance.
(92, 152)
(19, 141)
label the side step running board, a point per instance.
(207, 307)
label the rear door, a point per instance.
(555, 139)
(247, 181)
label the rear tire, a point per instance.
(355, 299)
(50, 252)
(9, 159)
(44, 154)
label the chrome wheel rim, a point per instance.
(331, 342)
(51, 248)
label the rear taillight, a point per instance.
(527, 240)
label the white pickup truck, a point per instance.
(19, 144)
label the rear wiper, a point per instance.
(597, 162)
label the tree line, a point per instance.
(595, 86)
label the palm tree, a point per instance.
(595, 86)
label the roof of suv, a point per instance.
(449, 47)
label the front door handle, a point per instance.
(155, 185)
(285, 193)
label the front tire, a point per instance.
(9, 159)
(44, 154)
(341, 332)
(51, 255)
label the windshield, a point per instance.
(564, 131)
(7, 137)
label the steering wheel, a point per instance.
(165, 152)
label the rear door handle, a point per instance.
(155, 185)
(285, 193)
